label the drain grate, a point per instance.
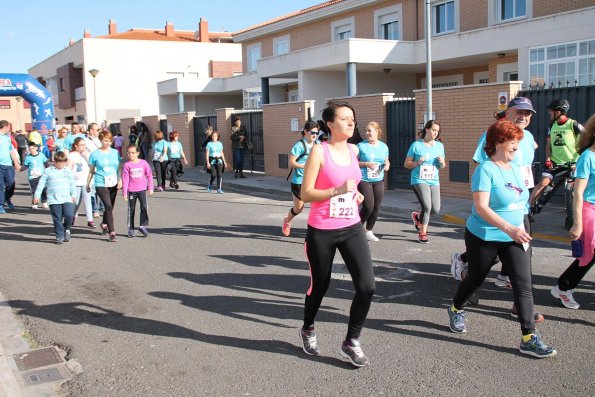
(46, 375)
(37, 358)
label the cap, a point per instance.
(521, 103)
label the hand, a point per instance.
(359, 198)
(242, 137)
(386, 167)
(125, 197)
(74, 200)
(421, 160)
(208, 166)
(441, 161)
(518, 234)
(119, 185)
(348, 186)
(17, 167)
(549, 165)
(576, 231)
(150, 192)
(370, 164)
(35, 201)
(185, 162)
(88, 189)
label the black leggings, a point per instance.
(144, 215)
(321, 246)
(373, 194)
(216, 171)
(481, 256)
(107, 195)
(174, 165)
(573, 275)
(160, 172)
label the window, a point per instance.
(281, 45)
(512, 9)
(343, 29)
(253, 56)
(564, 64)
(61, 84)
(388, 23)
(443, 17)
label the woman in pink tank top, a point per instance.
(330, 183)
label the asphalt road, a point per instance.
(211, 302)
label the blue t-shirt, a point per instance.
(59, 144)
(106, 167)
(69, 140)
(376, 154)
(5, 149)
(299, 148)
(158, 149)
(215, 150)
(585, 169)
(427, 172)
(35, 164)
(174, 150)
(523, 157)
(508, 199)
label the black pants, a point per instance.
(144, 215)
(33, 185)
(174, 165)
(321, 246)
(573, 275)
(22, 153)
(160, 170)
(373, 193)
(107, 195)
(481, 255)
(216, 171)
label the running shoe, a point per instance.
(45, 205)
(415, 219)
(130, 233)
(503, 281)
(35, 207)
(112, 237)
(457, 321)
(91, 225)
(59, 241)
(456, 266)
(176, 186)
(565, 297)
(473, 299)
(537, 348)
(219, 191)
(423, 238)
(96, 214)
(537, 317)
(171, 184)
(66, 236)
(352, 350)
(10, 205)
(371, 237)
(144, 231)
(209, 188)
(104, 228)
(2, 210)
(309, 342)
(163, 188)
(286, 228)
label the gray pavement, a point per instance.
(12, 337)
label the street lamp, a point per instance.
(94, 72)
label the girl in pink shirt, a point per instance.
(136, 178)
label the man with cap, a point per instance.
(519, 111)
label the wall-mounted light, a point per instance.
(501, 55)
(386, 70)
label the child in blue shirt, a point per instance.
(35, 163)
(61, 190)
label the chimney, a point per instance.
(203, 30)
(112, 27)
(87, 34)
(71, 42)
(169, 29)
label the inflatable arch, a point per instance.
(42, 104)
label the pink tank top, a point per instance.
(333, 175)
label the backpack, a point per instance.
(299, 157)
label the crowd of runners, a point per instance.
(344, 182)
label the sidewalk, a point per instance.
(548, 226)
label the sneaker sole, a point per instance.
(464, 331)
(303, 348)
(345, 355)
(531, 353)
(503, 284)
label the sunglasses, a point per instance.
(313, 132)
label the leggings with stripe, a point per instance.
(321, 246)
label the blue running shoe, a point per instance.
(219, 191)
(536, 347)
(457, 321)
(2, 210)
(209, 188)
(9, 205)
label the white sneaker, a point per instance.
(370, 236)
(457, 266)
(45, 205)
(503, 281)
(34, 206)
(566, 297)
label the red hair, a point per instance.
(173, 134)
(500, 132)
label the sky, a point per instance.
(33, 30)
